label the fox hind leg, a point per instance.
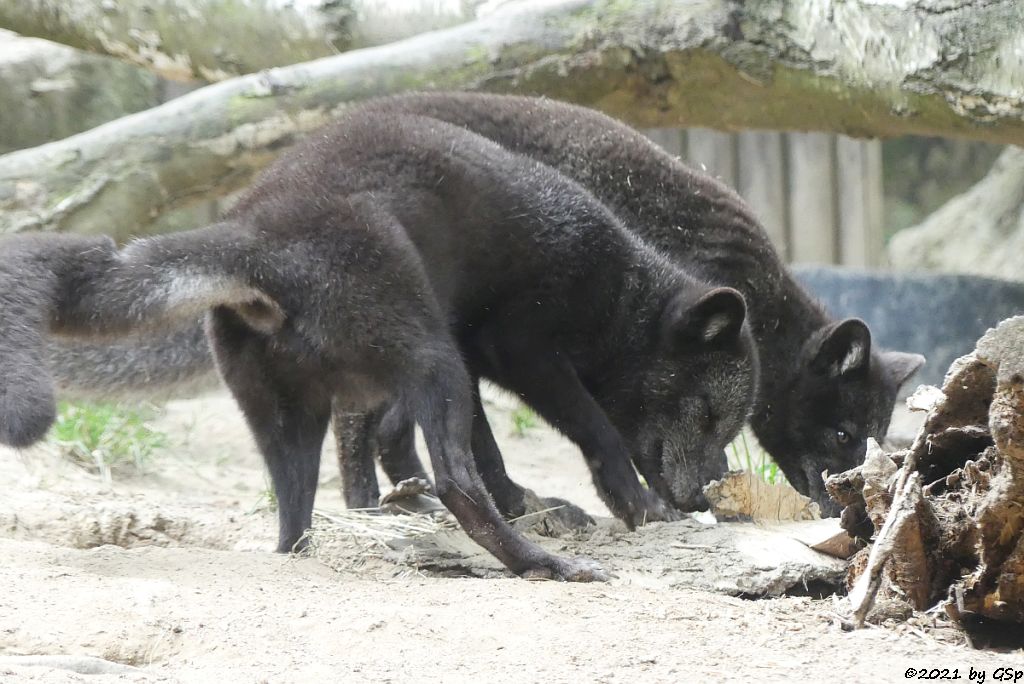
(394, 446)
(355, 435)
(287, 408)
(385, 434)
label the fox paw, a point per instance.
(651, 508)
(414, 495)
(551, 517)
(577, 569)
(569, 514)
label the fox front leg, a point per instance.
(443, 406)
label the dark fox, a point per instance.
(823, 389)
(393, 260)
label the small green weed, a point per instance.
(104, 438)
(523, 419)
(265, 501)
(754, 459)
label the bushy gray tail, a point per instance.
(84, 287)
(156, 367)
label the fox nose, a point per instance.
(829, 508)
(815, 489)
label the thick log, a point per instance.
(786, 64)
(959, 539)
(213, 40)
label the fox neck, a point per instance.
(781, 330)
(624, 323)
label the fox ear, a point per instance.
(899, 366)
(841, 349)
(715, 318)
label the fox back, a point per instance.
(668, 358)
(823, 389)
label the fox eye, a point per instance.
(842, 436)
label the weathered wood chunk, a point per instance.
(947, 516)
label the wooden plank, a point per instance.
(714, 152)
(859, 183)
(874, 199)
(853, 218)
(812, 205)
(672, 140)
(761, 180)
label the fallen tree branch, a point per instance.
(803, 64)
(213, 40)
(893, 532)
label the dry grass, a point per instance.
(356, 540)
(376, 529)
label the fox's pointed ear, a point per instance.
(841, 349)
(714, 318)
(899, 366)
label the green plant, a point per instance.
(754, 459)
(266, 500)
(104, 438)
(523, 419)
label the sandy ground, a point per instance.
(168, 572)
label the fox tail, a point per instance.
(85, 288)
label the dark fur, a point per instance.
(807, 393)
(820, 379)
(362, 266)
(30, 272)
(171, 364)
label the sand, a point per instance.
(167, 575)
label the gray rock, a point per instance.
(980, 232)
(940, 316)
(50, 91)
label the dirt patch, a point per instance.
(169, 572)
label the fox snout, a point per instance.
(687, 474)
(817, 492)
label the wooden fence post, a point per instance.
(819, 196)
(761, 181)
(859, 181)
(812, 206)
(672, 140)
(715, 151)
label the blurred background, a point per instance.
(824, 198)
(920, 235)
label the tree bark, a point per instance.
(945, 514)
(213, 40)
(845, 66)
(961, 237)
